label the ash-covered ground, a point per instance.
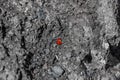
(90, 33)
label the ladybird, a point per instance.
(59, 41)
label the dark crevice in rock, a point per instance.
(17, 70)
(83, 68)
(40, 31)
(113, 57)
(117, 78)
(27, 59)
(6, 50)
(1, 11)
(3, 28)
(23, 42)
(27, 63)
(3, 68)
(17, 61)
(20, 75)
(4, 14)
(111, 62)
(61, 27)
(88, 58)
(115, 51)
(107, 66)
(118, 14)
(22, 24)
(59, 22)
(55, 60)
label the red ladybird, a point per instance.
(59, 41)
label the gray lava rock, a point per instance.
(90, 33)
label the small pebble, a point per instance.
(57, 71)
(105, 45)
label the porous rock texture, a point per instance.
(90, 33)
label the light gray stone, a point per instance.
(57, 71)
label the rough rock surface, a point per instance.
(90, 33)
